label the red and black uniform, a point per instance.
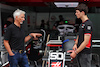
(85, 28)
(6, 25)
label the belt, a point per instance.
(20, 51)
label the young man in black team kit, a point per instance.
(14, 40)
(82, 47)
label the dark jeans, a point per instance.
(85, 60)
(18, 59)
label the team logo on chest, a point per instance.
(83, 25)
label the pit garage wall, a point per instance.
(95, 18)
(5, 9)
(0, 29)
(30, 22)
(45, 16)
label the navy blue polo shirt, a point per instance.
(15, 36)
(85, 28)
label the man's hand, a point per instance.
(73, 54)
(35, 35)
(7, 46)
(11, 54)
(74, 47)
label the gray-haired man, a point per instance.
(14, 40)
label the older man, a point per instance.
(14, 40)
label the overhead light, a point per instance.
(66, 4)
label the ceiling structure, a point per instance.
(90, 3)
(48, 5)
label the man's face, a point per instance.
(21, 18)
(78, 14)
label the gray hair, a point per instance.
(18, 12)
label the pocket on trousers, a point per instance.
(10, 58)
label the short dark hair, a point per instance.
(42, 20)
(60, 16)
(82, 7)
